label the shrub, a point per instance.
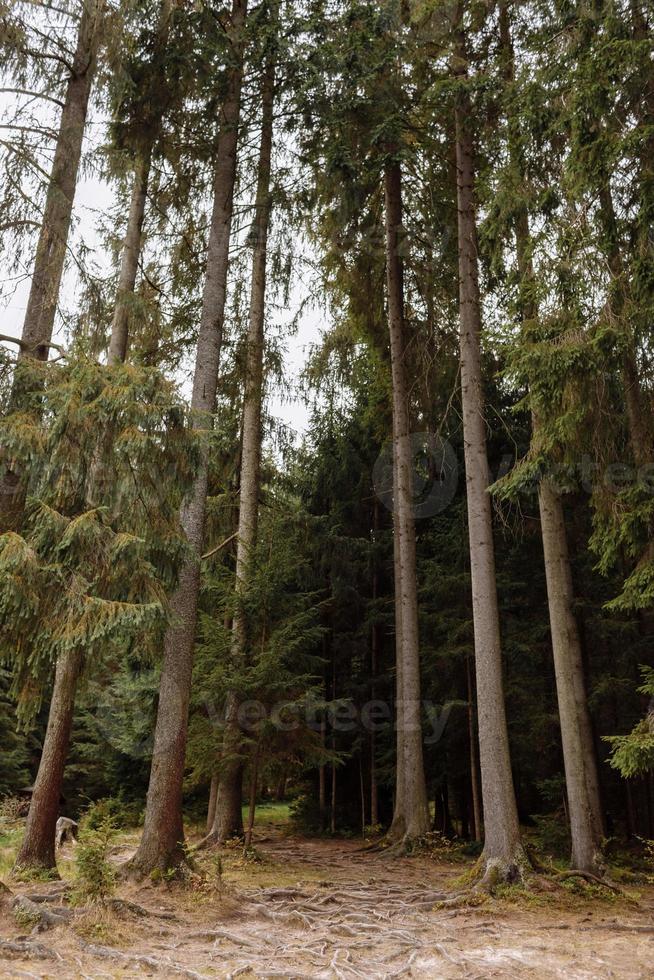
(96, 878)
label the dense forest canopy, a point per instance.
(431, 611)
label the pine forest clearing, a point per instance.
(301, 907)
(327, 487)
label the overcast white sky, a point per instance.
(93, 195)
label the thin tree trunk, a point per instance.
(131, 251)
(474, 759)
(413, 807)
(163, 832)
(362, 789)
(322, 778)
(39, 320)
(637, 427)
(374, 662)
(332, 815)
(129, 261)
(231, 773)
(583, 822)
(213, 794)
(252, 807)
(584, 804)
(38, 847)
(503, 857)
(398, 825)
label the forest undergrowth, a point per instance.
(297, 906)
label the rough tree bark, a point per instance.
(584, 806)
(411, 818)
(228, 820)
(38, 848)
(161, 846)
(39, 319)
(503, 857)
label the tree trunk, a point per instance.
(398, 825)
(503, 856)
(252, 802)
(213, 795)
(231, 774)
(474, 759)
(39, 843)
(637, 425)
(584, 806)
(322, 778)
(374, 662)
(584, 828)
(332, 814)
(229, 808)
(53, 239)
(163, 832)
(129, 261)
(411, 800)
(38, 847)
(131, 251)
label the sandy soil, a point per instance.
(324, 909)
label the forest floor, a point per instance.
(325, 909)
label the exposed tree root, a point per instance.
(42, 918)
(122, 905)
(53, 896)
(212, 839)
(25, 947)
(619, 927)
(590, 877)
(105, 952)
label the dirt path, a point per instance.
(322, 909)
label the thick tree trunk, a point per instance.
(38, 847)
(503, 857)
(411, 795)
(163, 832)
(231, 775)
(51, 249)
(584, 806)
